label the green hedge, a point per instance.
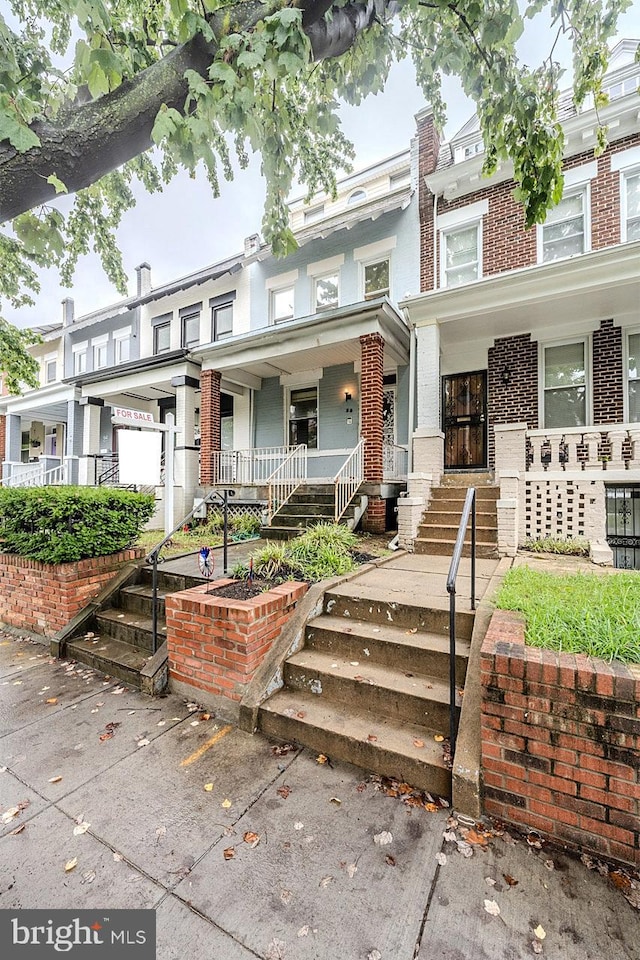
(63, 524)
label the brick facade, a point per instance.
(517, 400)
(428, 149)
(560, 743)
(371, 390)
(608, 374)
(43, 597)
(216, 644)
(209, 423)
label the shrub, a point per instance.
(568, 548)
(63, 524)
(246, 525)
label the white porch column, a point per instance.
(13, 438)
(92, 407)
(511, 464)
(186, 452)
(428, 376)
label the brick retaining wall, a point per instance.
(561, 743)
(44, 597)
(216, 644)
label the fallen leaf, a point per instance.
(352, 869)
(335, 800)
(143, 743)
(490, 881)
(95, 710)
(510, 880)
(326, 881)
(418, 743)
(229, 853)
(70, 865)
(304, 931)
(283, 791)
(55, 779)
(540, 932)
(226, 804)
(438, 738)
(536, 946)
(161, 723)
(431, 807)
(300, 714)
(282, 749)
(620, 879)
(205, 716)
(52, 700)
(449, 836)
(9, 814)
(361, 787)
(17, 830)
(372, 738)
(321, 758)
(208, 787)
(195, 723)
(81, 828)
(251, 838)
(441, 858)
(535, 840)
(389, 860)
(480, 839)
(492, 908)
(549, 864)
(383, 838)
(106, 736)
(275, 950)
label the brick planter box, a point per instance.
(44, 597)
(561, 743)
(215, 644)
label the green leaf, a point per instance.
(16, 132)
(58, 184)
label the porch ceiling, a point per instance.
(46, 405)
(553, 299)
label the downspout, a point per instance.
(435, 241)
(412, 390)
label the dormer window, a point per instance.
(357, 196)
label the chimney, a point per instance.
(428, 142)
(251, 244)
(144, 279)
(68, 312)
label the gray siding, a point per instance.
(333, 428)
(268, 414)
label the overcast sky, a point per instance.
(185, 228)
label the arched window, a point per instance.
(357, 196)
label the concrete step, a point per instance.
(468, 479)
(110, 656)
(444, 548)
(380, 690)
(280, 533)
(315, 489)
(132, 628)
(457, 494)
(436, 515)
(380, 745)
(422, 652)
(303, 508)
(301, 519)
(306, 496)
(139, 599)
(356, 603)
(483, 534)
(170, 582)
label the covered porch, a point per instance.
(310, 400)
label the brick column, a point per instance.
(209, 423)
(372, 358)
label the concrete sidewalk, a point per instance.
(318, 885)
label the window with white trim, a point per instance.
(222, 320)
(565, 232)
(376, 278)
(80, 361)
(50, 369)
(460, 255)
(99, 355)
(316, 213)
(633, 377)
(281, 304)
(303, 417)
(357, 196)
(564, 384)
(631, 205)
(162, 337)
(122, 346)
(326, 291)
(190, 326)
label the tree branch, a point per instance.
(88, 140)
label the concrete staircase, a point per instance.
(439, 527)
(118, 639)
(310, 504)
(370, 686)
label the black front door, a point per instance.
(464, 403)
(623, 525)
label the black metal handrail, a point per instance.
(153, 555)
(469, 508)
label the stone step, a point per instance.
(316, 489)
(373, 743)
(301, 519)
(112, 657)
(380, 690)
(132, 628)
(170, 582)
(444, 548)
(303, 508)
(280, 533)
(139, 599)
(457, 494)
(484, 534)
(353, 602)
(468, 479)
(421, 652)
(305, 496)
(437, 514)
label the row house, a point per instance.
(255, 357)
(528, 340)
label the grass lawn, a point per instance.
(180, 542)
(588, 613)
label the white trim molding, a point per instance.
(468, 214)
(371, 251)
(329, 265)
(281, 280)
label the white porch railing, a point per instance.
(286, 478)
(348, 479)
(578, 449)
(395, 459)
(252, 466)
(38, 477)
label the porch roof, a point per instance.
(554, 299)
(46, 404)
(150, 378)
(325, 339)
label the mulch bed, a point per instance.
(241, 589)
